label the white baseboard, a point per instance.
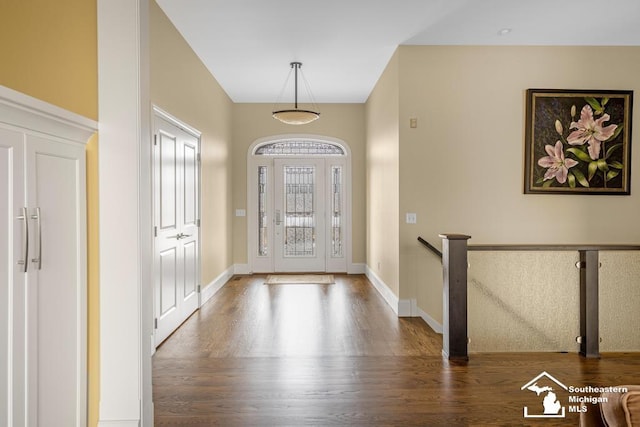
(217, 283)
(119, 423)
(437, 327)
(382, 289)
(402, 307)
(407, 308)
(241, 269)
(357, 268)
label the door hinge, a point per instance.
(155, 231)
(155, 139)
(198, 288)
(197, 223)
(155, 323)
(198, 158)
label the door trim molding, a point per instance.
(126, 307)
(157, 111)
(27, 112)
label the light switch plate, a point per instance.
(241, 212)
(412, 218)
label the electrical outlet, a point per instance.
(412, 218)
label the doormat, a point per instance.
(299, 279)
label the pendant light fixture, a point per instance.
(297, 116)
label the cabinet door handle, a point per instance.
(38, 260)
(25, 239)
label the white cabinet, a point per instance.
(42, 264)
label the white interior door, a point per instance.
(299, 215)
(55, 288)
(176, 206)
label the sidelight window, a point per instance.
(263, 238)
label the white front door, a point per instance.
(299, 205)
(176, 207)
(299, 215)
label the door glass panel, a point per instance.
(336, 211)
(299, 216)
(263, 240)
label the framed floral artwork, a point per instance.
(578, 141)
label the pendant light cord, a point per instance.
(296, 65)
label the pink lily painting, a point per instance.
(578, 142)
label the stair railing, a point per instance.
(454, 310)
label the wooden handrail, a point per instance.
(430, 247)
(538, 247)
(568, 247)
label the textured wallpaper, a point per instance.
(529, 301)
(620, 301)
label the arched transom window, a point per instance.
(299, 148)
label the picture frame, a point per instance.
(578, 141)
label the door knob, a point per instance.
(179, 236)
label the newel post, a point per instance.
(454, 309)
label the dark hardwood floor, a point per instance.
(322, 355)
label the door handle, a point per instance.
(38, 260)
(25, 239)
(179, 236)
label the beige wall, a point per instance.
(342, 121)
(461, 169)
(183, 87)
(383, 145)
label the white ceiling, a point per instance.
(344, 45)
